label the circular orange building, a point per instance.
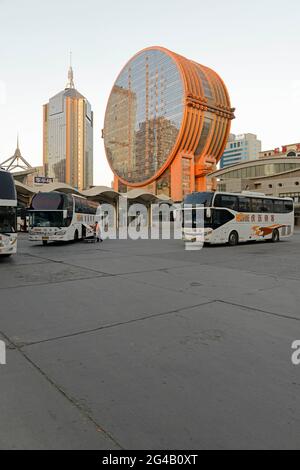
(166, 124)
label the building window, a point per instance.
(297, 183)
(204, 134)
(222, 187)
(280, 185)
(206, 86)
(270, 186)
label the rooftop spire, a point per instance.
(70, 83)
(17, 161)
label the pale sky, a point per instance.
(254, 45)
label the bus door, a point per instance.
(221, 225)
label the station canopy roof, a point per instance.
(145, 196)
(99, 193)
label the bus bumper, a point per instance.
(48, 238)
(197, 236)
(8, 246)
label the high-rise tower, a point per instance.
(68, 137)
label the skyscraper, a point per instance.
(68, 137)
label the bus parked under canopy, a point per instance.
(8, 214)
(57, 216)
(233, 218)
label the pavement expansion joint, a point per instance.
(48, 283)
(79, 406)
(116, 325)
(257, 309)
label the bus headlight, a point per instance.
(60, 232)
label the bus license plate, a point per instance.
(44, 239)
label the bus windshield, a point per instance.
(50, 201)
(7, 186)
(204, 199)
(7, 220)
(46, 219)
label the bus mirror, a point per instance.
(208, 213)
(65, 214)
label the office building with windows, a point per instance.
(166, 124)
(68, 137)
(240, 148)
(273, 176)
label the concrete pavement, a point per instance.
(142, 345)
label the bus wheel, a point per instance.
(233, 239)
(275, 236)
(76, 236)
(45, 242)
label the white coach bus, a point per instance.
(8, 214)
(56, 216)
(233, 218)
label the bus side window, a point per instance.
(278, 206)
(257, 205)
(244, 204)
(221, 217)
(268, 206)
(288, 207)
(226, 200)
(217, 202)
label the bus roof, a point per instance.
(244, 194)
(253, 194)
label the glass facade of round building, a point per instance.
(167, 118)
(144, 116)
